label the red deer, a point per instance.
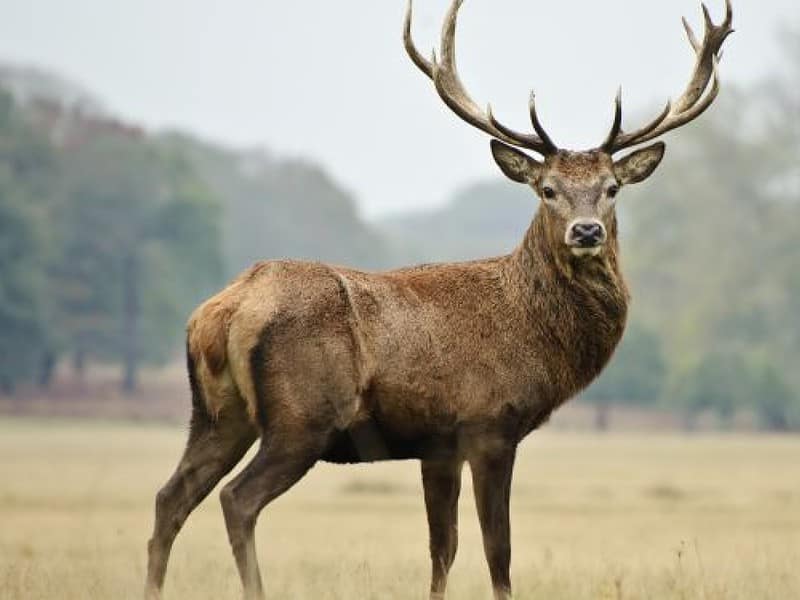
(447, 363)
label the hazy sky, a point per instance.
(330, 80)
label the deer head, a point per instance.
(578, 189)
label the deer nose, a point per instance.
(587, 234)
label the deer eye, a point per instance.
(548, 192)
(613, 191)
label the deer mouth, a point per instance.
(584, 252)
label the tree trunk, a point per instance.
(6, 386)
(47, 369)
(776, 421)
(602, 413)
(689, 421)
(130, 323)
(79, 365)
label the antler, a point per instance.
(692, 102)
(451, 90)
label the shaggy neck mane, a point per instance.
(579, 303)
(543, 255)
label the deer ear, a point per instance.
(639, 165)
(515, 164)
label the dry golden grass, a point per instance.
(618, 516)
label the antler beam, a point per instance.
(692, 103)
(445, 78)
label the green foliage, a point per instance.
(713, 255)
(111, 237)
(23, 334)
(107, 241)
(140, 248)
(724, 382)
(720, 382)
(774, 401)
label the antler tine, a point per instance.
(506, 134)
(616, 135)
(641, 135)
(707, 16)
(422, 63)
(449, 87)
(690, 34)
(616, 127)
(710, 47)
(697, 96)
(537, 126)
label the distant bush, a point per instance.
(724, 383)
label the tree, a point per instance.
(725, 382)
(281, 209)
(140, 246)
(775, 403)
(24, 162)
(720, 382)
(22, 331)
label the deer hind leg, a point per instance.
(491, 479)
(281, 461)
(213, 449)
(441, 481)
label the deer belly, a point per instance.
(372, 441)
(395, 425)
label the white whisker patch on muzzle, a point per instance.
(593, 251)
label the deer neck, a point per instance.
(582, 303)
(542, 259)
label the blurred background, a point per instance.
(149, 151)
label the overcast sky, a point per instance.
(330, 80)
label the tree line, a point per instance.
(109, 236)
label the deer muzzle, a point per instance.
(586, 237)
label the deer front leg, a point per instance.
(491, 480)
(441, 481)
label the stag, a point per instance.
(447, 363)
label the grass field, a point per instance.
(617, 516)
